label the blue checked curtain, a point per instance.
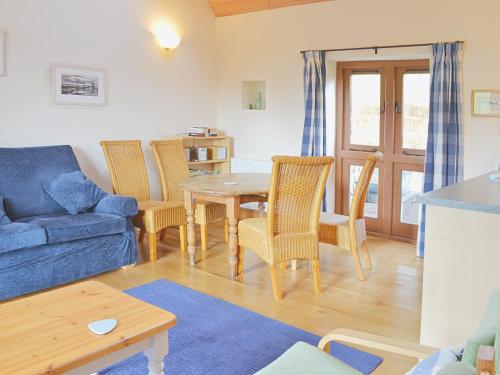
(314, 136)
(444, 156)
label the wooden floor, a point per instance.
(388, 303)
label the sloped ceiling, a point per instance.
(230, 7)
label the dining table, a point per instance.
(232, 190)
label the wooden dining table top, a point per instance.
(228, 185)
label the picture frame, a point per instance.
(3, 53)
(486, 103)
(76, 85)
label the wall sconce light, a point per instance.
(166, 36)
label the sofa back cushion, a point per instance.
(24, 171)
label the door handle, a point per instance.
(396, 107)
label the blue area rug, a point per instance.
(213, 337)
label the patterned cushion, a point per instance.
(4, 219)
(74, 192)
(64, 227)
(435, 363)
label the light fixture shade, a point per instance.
(166, 36)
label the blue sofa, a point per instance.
(45, 246)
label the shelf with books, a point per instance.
(215, 145)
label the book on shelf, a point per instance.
(202, 131)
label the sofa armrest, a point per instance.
(117, 205)
(376, 342)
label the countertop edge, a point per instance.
(451, 203)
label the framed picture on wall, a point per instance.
(486, 103)
(78, 85)
(3, 52)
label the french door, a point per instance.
(384, 106)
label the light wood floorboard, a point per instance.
(387, 303)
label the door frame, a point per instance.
(390, 137)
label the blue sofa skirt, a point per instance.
(31, 269)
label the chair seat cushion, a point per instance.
(457, 368)
(303, 358)
(65, 227)
(333, 219)
(20, 235)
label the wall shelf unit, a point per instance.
(253, 95)
(213, 164)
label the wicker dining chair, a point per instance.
(290, 230)
(349, 232)
(129, 176)
(173, 168)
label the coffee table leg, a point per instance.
(233, 214)
(191, 235)
(156, 353)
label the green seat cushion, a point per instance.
(302, 359)
(486, 333)
(457, 368)
(497, 351)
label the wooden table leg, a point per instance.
(156, 353)
(191, 235)
(233, 214)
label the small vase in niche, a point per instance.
(258, 102)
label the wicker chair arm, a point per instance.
(369, 340)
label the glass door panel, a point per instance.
(415, 114)
(371, 204)
(351, 171)
(365, 109)
(412, 183)
(409, 181)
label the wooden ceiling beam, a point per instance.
(231, 7)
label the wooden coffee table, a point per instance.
(47, 333)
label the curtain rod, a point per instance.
(376, 48)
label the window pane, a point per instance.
(371, 204)
(416, 93)
(411, 185)
(365, 109)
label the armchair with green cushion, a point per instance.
(480, 353)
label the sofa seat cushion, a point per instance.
(66, 227)
(4, 219)
(20, 235)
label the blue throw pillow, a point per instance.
(4, 219)
(74, 192)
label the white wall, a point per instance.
(152, 93)
(266, 45)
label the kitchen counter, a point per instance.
(477, 194)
